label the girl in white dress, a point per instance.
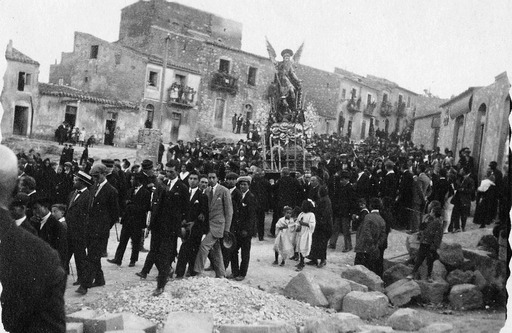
(285, 239)
(304, 231)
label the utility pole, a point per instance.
(162, 85)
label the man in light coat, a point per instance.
(220, 212)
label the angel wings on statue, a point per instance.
(287, 81)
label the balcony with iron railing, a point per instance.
(369, 108)
(386, 108)
(224, 82)
(181, 96)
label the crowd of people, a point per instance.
(214, 198)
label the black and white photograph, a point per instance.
(222, 166)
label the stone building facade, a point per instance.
(427, 121)
(370, 103)
(207, 80)
(478, 119)
(19, 93)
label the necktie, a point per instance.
(77, 194)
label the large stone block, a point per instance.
(364, 276)
(74, 328)
(375, 329)
(493, 270)
(95, 322)
(466, 297)
(258, 328)
(135, 322)
(437, 328)
(435, 291)
(372, 304)
(451, 254)
(439, 270)
(105, 322)
(340, 322)
(356, 286)
(395, 273)
(405, 320)
(479, 280)
(188, 322)
(304, 288)
(402, 291)
(457, 276)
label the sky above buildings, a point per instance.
(443, 46)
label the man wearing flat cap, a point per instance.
(76, 218)
(103, 214)
(243, 230)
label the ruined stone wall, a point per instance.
(137, 19)
(116, 73)
(51, 110)
(11, 97)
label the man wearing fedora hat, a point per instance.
(76, 217)
(103, 214)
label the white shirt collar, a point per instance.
(172, 182)
(20, 221)
(44, 219)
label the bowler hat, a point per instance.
(231, 175)
(85, 178)
(229, 240)
(147, 165)
(109, 163)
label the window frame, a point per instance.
(252, 82)
(94, 52)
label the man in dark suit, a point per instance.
(405, 197)
(76, 218)
(17, 209)
(49, 229)
(133, 220)
(389, 184)
(343, 205)
(465, 191)
(236, 199)
(103, 214)
(261, 188)
(243, 230)
(195, 227)
(170, 209)
(363, 183)
(220, 213)
(32, 278)
(287, 192)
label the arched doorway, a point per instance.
(479, 135)
(150, 109)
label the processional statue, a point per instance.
(286, 119)
(285, 93)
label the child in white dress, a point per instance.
(304, 231)
(285, 239)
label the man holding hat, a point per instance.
(103, 214)
(244, 229)
(219, 214)
(76, 217)
(17, 209)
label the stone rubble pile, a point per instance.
(229, 302)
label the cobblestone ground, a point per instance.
(261, 273)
